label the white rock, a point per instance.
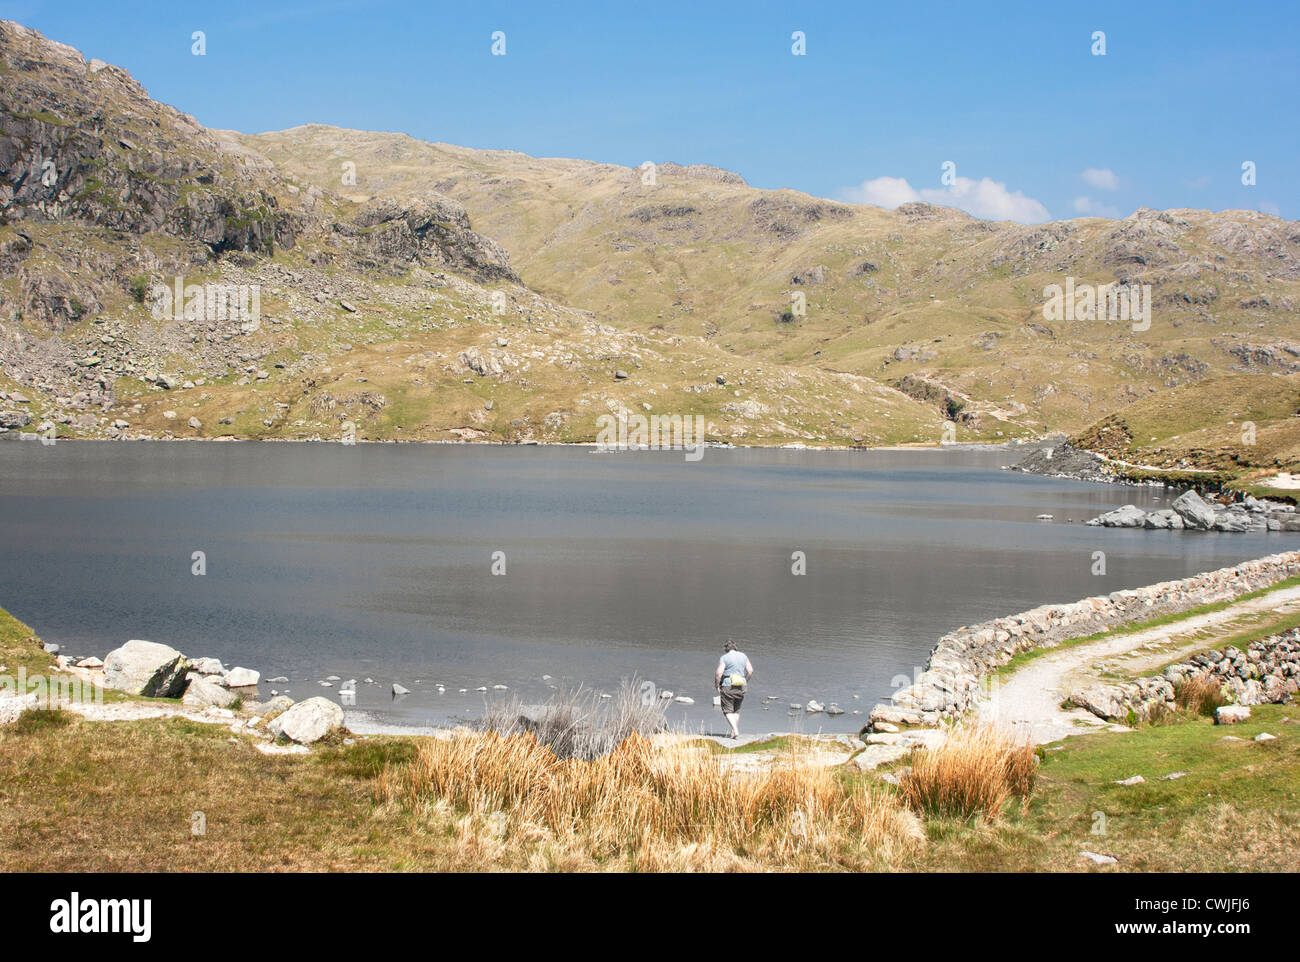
(207, 666)
(242, 678)
(499, 688)
(1135, 780)
(399, 690)
(1231, 714)
(1099, 859)
(203, 693)
(1265, 737)
(146, 668)
(814, 706)
(91, 662)
(684, 700)
(308, 721)
(12, 707)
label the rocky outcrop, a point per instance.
(1066, 461)
(433, 230)
(84, 142)
(146, 668)
(951, 682)
(1192, 512)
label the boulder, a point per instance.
(202, 693)
(1231, 714)
(146, 668)
(1194, 511)
(207, 666)
(308, 721)
(242, 678)
(1232, 520)
(1108, 702)
(894, 715)
(1129, 516)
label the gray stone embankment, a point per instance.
(950, 685)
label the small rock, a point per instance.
(1135, 780)
(1098, 858)
(1231, 714)
(242, 678)
(399, 690)
(1265, 737)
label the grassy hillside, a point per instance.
(1245, 425)
(412, 290)
(926, 294)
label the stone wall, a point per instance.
(1266, 672)
(951, 682)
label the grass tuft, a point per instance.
(974, 773)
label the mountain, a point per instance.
(427, 291)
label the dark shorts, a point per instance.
(731, 699)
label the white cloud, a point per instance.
(1199, 182)
(984, 198)
(1102, 178)
(1086, 205)
(882, 192)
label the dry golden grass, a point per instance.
(671, 807)
(976, 772)
(1200, 696)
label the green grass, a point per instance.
(1236, 809)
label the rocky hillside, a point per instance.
(387, 316)
(927, 299)
(408, 290)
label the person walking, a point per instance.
(730, 681)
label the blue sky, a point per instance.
(1011, 94)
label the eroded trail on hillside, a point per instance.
(1030, 699)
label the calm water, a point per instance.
(375, 560)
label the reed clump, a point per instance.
(974, 773)
(659, 804)
(1201, 695)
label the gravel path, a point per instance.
(1029, 700)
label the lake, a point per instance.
(376, 560)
